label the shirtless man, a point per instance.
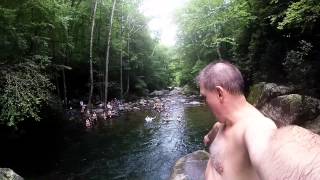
(241, 134)
(244, 144)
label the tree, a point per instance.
(93, 19)
(51, 39)
(207, 31)
(107, 54)
(121, 50)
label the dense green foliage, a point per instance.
(44, 48)
(274, 41)
(44, 52)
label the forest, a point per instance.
(55, 53)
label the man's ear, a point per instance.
(220, 93)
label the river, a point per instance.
(128, 147)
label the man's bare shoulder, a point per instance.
(258, 120)
(257, 136)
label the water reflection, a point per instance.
(131, 148)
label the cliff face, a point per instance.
(281, 104)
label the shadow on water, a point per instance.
(131, 148)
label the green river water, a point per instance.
(128, 147)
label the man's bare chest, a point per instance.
(217, 152)
(225, 150)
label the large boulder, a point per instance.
(279, 104)
(313, 125)
(263, 92)
(191, 167)
(291, 109)
(176, 91)
(9, 174)
(188, 90)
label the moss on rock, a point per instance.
(255, 93)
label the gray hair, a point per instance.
(224, 74)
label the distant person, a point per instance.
(244, 144)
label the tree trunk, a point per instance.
(218, 51)
(100, 69)
(154, 49)
(64, 88)
(90, 56)
(121, 53)
(57, 86)
(107, 54)
(217, 43)
(128, 63)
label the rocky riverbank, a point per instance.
(156, 101)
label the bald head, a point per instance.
(222, 74)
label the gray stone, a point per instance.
(314, 125)
(191, 167)
(280, 104)
(174, 92)
(263, 92)
(157, 93)
(99, 111)
(188, 90)
(9, 174)
(291, 109)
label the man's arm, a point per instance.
(208, 138)
(291, 153)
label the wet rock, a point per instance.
(143, 102)
(9, 174)
(194, 103)
(159, 93)
(176, 91)
(121, 108)
(194, 96)
(136, 108)
(191, 167)
(98, 111)
(188, 90)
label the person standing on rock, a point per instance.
(244, 144)
(241, 132)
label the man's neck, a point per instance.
(237, 109)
